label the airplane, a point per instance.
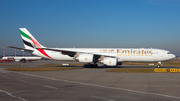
(91, 56)
(23, 59)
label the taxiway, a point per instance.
(92, 84)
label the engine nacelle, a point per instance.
(109, 61)
(87, 58)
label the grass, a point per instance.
(9, 65)
(45, 67)
(133, 70)
(167, 63)
(55, 65)
(172, 63)
(39, 69)
(145, 70)
(61, 67)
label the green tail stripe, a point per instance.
(24, 34)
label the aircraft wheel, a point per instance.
(23, 60)
(90, 65)
(158, 66)
(95, 65)
(85, 66)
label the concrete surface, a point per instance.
(89, 84)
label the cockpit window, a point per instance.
(168, 53)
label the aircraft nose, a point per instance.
(173, 56)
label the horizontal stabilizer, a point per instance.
(22, 49)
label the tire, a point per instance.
(95, 65)
(23, 60)
(85, 66)
(158, 66)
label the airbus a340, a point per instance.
(91, 56)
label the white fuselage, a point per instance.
(19, 58)
(122, 54)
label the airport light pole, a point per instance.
(4, 51)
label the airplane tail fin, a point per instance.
(30, 43)
(28, 40)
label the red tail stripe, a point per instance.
(43, 52)
(40, 50)
(35, 42)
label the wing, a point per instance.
(73, 53)
(22, 49)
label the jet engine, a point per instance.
(109, 61)
(87, 58)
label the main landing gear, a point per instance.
(159, 64)
(23, 60)
(90, 66)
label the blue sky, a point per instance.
(92, 23)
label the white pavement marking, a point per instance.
(22, 99)
(9, 94)
(12, 95)
(50, 87)
(102, 98)
(22, 81)
(3, 71)
(129, 90)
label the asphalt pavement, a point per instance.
(88, 84)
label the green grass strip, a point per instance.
(9, 65)
(62, 65)
(40, 69)
(133, 70)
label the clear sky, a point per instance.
(92, 23)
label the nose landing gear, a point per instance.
(159, 64)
